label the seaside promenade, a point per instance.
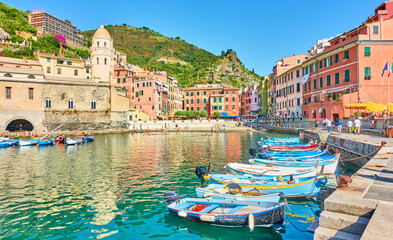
(362, 210)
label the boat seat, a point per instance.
(185, 205)
(234, 210)
(209, 208)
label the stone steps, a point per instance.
(343, 222)
(322, 233)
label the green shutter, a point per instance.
(118, 80)
(315, 83)
(346, 79)
(324, 60)
(367, 51)
(321, 82)
(215, 99)
(328, 80)
(337, 78)
(336, 58)
(367, 73)
(346, 54)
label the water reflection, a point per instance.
(113, 188)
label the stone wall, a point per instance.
(35, 117)
(82, 95)
(85, 120)
(183, 124)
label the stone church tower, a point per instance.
(102, 53)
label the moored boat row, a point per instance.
(291, 170)
(6, 142)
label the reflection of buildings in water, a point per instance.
(103, 203)
(232, 150)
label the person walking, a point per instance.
(316, 126)
(349, 126)
(324, 124)
(339, 125)
(357, 123)
(329, 125)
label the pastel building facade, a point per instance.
(349, 70)
(263, 96)
(250, 100)
(285, 79)
(213, 98)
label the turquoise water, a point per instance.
(113, 188)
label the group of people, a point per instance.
(352, 126)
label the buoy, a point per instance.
(251, 222)
(13, 146)
(38, 145)
(289, 182)
(85, 141)
(279, 176)
(336, 151)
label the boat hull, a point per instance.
(267, 217)
(269, 172)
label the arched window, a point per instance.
(105, 61)
(98, 61)
(8, 75)
(98, 44)
(31, 77)
(93, 105)
(48, 103)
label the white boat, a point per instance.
(73, 141)
(28, 142)
(263, 170)
(3, 139)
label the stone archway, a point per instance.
(19, 125)
(322, 112)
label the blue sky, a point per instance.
(261, 32)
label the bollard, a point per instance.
(343, 181)
(383, 144)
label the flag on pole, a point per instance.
(391, 70)
(386, 68)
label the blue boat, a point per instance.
(88, 139)
(270, 172)
(281, 142)
(229, 213)
(45, 142)
(31, 142)
(296, 188)
(9, 143)
(293, 156)
(285, 154)
(219, 191)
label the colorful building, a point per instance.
(263, 95)
(212, 98)
(249, 100)
(47, 24)
(349, 69)
(285, 79)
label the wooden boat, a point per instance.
(307, 146)
(88, 139)
(270, 172)
(45, 142)
(9, 143)
(73, 141)
(294, 150)
(296, 188)
(219, 191)
(31, 142)
(4, 139)
(295, 155)
(229, 213)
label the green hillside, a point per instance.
(188, 63)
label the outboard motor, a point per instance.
(253, 152)
(201, 172)
(170, 197)
(265, 148)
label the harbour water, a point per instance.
(113, 188)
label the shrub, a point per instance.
(216, 114)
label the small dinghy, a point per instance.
(88, 139)
(235, 192)
(226, 213)
(73, 141)
(9, 143)
(32, 142)
(45, 142)
(269, 172)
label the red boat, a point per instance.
(300, 148)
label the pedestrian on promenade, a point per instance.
(316, 126)
(329, 125)
(324, 124)
(349, 126)
(339, 125)
(357, 123)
